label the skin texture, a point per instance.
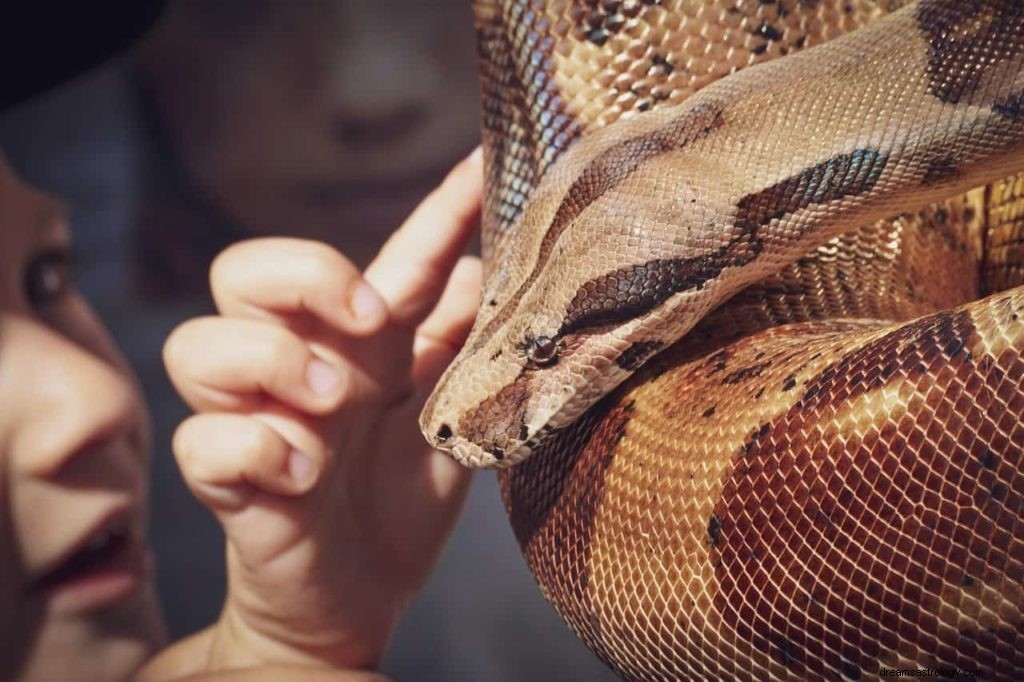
(73, 449)
(812, 473)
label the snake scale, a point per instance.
(752, 329)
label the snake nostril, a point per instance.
(444, 433)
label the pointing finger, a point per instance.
(412, 268)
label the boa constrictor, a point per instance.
(753, 336)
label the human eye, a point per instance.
(48, 278)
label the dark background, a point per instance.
(321, 118)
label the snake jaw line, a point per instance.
(472, 456)
(513, 423)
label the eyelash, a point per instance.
(48, 278)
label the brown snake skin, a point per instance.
(820, 473)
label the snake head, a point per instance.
(501, 400)
(508, 393)
(615, 239)
(564, 347)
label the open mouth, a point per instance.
(105, 567)
(99, 551)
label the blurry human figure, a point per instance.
(76, 580)
(323, 118)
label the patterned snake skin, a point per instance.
(759, 428)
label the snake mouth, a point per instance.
(498, 432)
(477, 455)
(551, 382)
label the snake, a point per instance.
(749, 357)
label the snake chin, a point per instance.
(473, 456)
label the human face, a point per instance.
(76, 592)
(329, 119)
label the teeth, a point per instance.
(89, 555)
(119, 528)
(99, 542)
(104, 539)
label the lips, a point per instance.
(105, 566)
(95, 551)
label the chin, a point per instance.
(108, 643)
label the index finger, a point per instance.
(412, 268)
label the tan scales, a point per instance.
(778, 436)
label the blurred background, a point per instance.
(318, 118)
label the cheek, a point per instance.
(12, 599)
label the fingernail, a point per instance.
(322, 377)
(366, 303)
(301, 469)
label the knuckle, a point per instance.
(231, 267)
(257, 445)
(283, 365)
(183, 445)
(282, 354)
(170, 350)
(321, 263)
(223, 265)
(178, 350)
(174, 347)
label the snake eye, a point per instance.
(542, 350)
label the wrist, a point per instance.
(188, 656)
(241, 638)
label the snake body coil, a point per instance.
(753, 338)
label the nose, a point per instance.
(67, 398)
(357, 129)
(383, 85)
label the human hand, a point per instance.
(305, 444)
